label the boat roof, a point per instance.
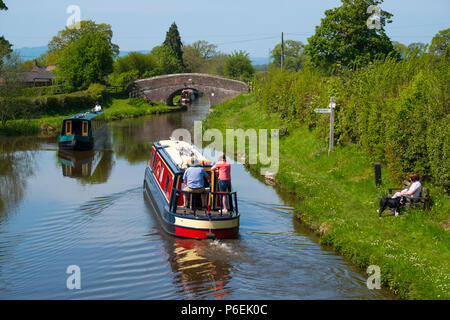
(85, 115)
(180, 152)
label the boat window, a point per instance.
(158, 168)
(85, 128)
(85, 169)
(166, 186)
(151, 158)
(68, 128)
(77, 127)
(67, 171)
(161, 175)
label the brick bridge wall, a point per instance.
(163, 88)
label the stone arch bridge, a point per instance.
(164, 88)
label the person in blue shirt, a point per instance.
(194, 179)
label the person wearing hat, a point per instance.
(194, 179)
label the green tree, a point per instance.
(11, 88)
(203, 57)
(415, 49)
(193, 60)
(173, 41)
(69, 35)
(139, 62)
(440, 45)
(344, 39)
(205, 49)
(5, 46)
(400, 48)
(238, 66)
(84, 61)
(166, 61)
(294, 55)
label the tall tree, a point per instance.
(173, 41)
(400, 48)
(5, 46)
(69, 35)
(294, 55)
(12, 85)
(205, 49)
(238, 66)
(440, 45)
(344, 38)
(84, 61)
(166, 61)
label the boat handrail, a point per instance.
(233, 202)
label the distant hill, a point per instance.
(257, 61)
(29, 53)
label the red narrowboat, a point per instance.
(182, 213)
(187, 96)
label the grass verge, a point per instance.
(337, 199)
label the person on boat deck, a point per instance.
(414, 189)
(194, 179)
(224, 169)
(97, 107)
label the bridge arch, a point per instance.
(163, 88)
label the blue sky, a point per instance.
(251, 25)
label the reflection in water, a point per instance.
(16, 165)
(88, 166)
(199, 272)
(79, 163)
(132, 139)
(101, 222)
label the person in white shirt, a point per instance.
(414, 189)
(97, 107)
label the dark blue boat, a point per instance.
(82, 131)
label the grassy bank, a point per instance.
(114, 108)
(337, 199)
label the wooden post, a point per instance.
(332, 106)
(377, 166)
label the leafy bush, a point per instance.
(397, 111)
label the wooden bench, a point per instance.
(424, 196)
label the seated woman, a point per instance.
(400, 198)
(414, 189)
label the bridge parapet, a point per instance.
(163, 88)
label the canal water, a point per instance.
(88, 209)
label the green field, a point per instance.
(337, 199)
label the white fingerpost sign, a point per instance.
(329, 110)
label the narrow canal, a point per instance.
(88, 209)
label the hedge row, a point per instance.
(397, 111)
(34, 107)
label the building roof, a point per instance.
(38, 74)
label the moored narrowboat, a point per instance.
(182, 213)
(82, 131)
